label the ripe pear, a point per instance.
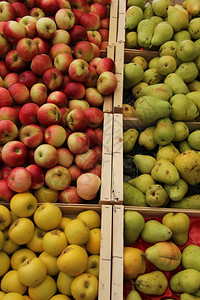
(132, 196)
(137, 89)
(181, 36)
(157, 19)
(190, 202)
(154, 232)
(168, 48)
(187, 50)
(142, 182)
(141, 61)
(131, 40)
(128, 111)
(193, 7)
(152, 76)
(195, 97)
(187, 296)
(194, 138)
(188, 165)
(177, 17)
(166, 256)
(153, 63)
(152, 283)
(134, 14)
(183, 109)
(176, 191)
(133, 295)
(145, 163)
(160, 7)
(166, 65)
(169, 152)
(164, 131)
(146, 139)
(188, 71)
(133, 225)
(163, 32)
(164, 171)
(156, 196)
(184, 146)
(129, 139)
(148, 11)
(133, 73)
(176, 83)
(187, 281)
(181, 131)
(145, 31)
(179, 224)
(140, 3)
(193, 28)
(191, 257)
(161, 90)
(194, 86)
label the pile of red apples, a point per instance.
(53, 81)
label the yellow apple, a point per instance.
(50, 262)
(1, 294)
(73, 260)
(9, 247)
(5, 263)
(85, 286)
(77, 232)
(64, 222)
(10, 282)
(60, 297)
(32, 271)
(43, 291)
(94, 242)
(23, 204)
(5, 217)
(21, 231)
(46, 194)
(13, 296)
(64, 282)
(35, 244)
(54, 241)
(14, 217)
(27, 297)
(91, 218)
(47, 216)
(19, 256)
(1, 239)
(93, 265)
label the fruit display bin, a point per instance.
(121, 287)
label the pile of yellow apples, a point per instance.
(46, 255)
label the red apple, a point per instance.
(37, 176)
(104, 34)
(58, 98)
(99, 136)
(96, 50)
(78, 33)
(38, 94)
(30, 157)
(96, 170)
(90, 21)
(94, 116)
(105, 23)
(62, 62)
(7, 12)
(78, 104)
(106, 83)
(84, 50)
(31, 135)
(104, 45)
(8, 131)
(61, 36)
(28, 114)
(99, 9)
(77, 120)
(94, 62)
(14, 62)
(2, 23)
(48, 114)
(106, 64)
(75, 172)
(63, 113)
(50, 7)
(9, 113)
(94, 37)
(5, 171)
(27, 49)
(58, 178)
(98, 150)
(81, 5)
(29, 24)
(30, 3)
(74, 90)
(65, 157)
(65, 18)
(55, 135)
(40, 63)
(28, 78)
(59, 48)
(43, 45)
(78, 142)
(87, 160)
(14, 153)
(92, 79)
(6, 99)
(53, 78)
(19, 180)
(46, 28)
(4, 45)
(77, 13)
(64, 4)
(13, 31)
(46, 156)
(104, 2)
(19, 92)
(3, 69)
(20, 9)
(5, 192)
(70, 196)
(37, 12)
(90, 132)
(88, 185)
(93, 97)
(79, 70)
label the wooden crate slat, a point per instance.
(113, 26)
(119, 63)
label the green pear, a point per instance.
(140, 3)
(153, 63)
(194, 138)
(169, 152)
(176, 83)
(160, 90)
(184, 146)
(145, 31)
(188, 71)
(187, 296)
(187, 50)
(185, 281)
(183, 109)
(188, 165)
(133, 73)
(142, 182)
(197, 293)
(193, 28)
(134, 15)
(191, 257)
(164, 131)
(145, 163)
(152, 76)
(181, 131)
(190, 202)
(166, 256)
(149, 108)
(194, 86)
(184, 4)
(163, 32)
(181, 36)
(197, 62)
(195, 97)
(133, 295)
(179, 224)
(168, 48)
(137, 89)
(152, 283)
(154, 232)
(176, 191)
(146, 138)
(156, 196)
(133, 225)
(132, 196)
(166, 65)
(131, 40)
(160, 7)
(164, 171)
(193, 7)
(129, 139)
(148, 11)
(157, 20)
(177, 17)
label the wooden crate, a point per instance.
(118, 240)
(113, 24)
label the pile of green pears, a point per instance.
(167, 157)
(167, 246)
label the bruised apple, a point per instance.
(88, 185)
